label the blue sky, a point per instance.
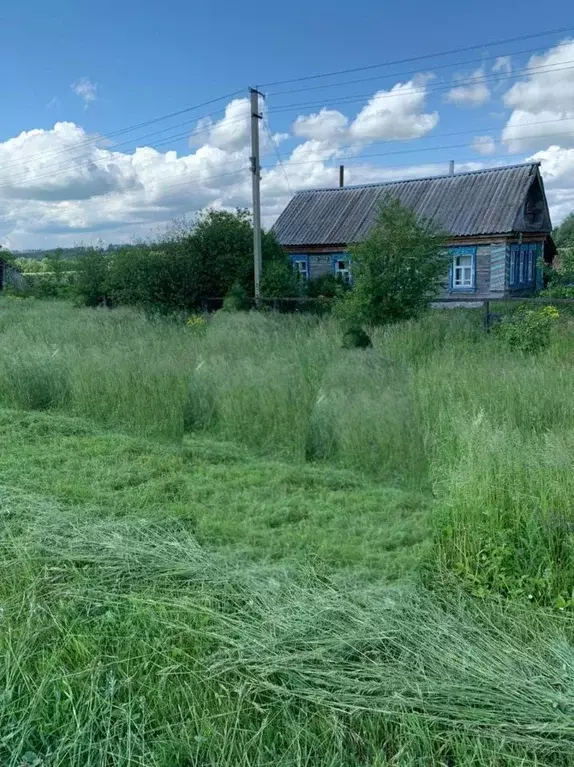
(74, 72)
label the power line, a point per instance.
(137, 126)
(277, 153)
(395, 152)
(140, 184)
(72, 163)
(443, 163)
(130, 128)
(52, 174)
(205, 178)
(198, 181)
(465, 63)
(474, 131)
(425, 90)
(519, 38)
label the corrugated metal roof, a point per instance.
(464, 204)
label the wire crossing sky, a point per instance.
(117, 122)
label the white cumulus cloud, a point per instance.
(389, 115)
(396, 114)
(326, 125)
(63, 181)
(484, 145)
(231, 133)
(542, 102)
(62, 185)
(471, 92)
(557, 166)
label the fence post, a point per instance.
(487, 316)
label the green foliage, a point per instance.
(564, 234)
(30, 265)
(528, 330)
(237, 300)
(7, 257)
(208, 260)
(279, 279)
(326, 286)
(396, 270)
(155, 280)
(325, 291)
(48, 284)
(559, 277)
(92, 278)
(356, 338)
(50, 277)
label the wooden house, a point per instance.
(497, 220)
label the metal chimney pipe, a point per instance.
(451, 168)
(341, 176)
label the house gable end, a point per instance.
(534, 215)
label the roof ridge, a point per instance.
(419, 178)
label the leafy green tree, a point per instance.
(279, 279)
(221, 244)
(208, 258)
(92, 278)
(27, 265)
(564, 234)
(326, 286)
(7, 257)
(396, 271)
(147, 277)
(559, 277)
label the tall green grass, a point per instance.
(118, 368)
(435, 404)
(125, 642)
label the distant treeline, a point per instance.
(66, 254)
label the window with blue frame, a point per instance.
(301, 265)
(522, 271)
(463, 268)
(342, 268)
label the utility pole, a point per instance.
(256, 179)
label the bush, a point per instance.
(212, 259)
(92, 278)
(528, 330)
(151, 279)
(356, 338)
(396, 270)
(236, 300)
(279, 280)
(326, 286)
(50, 285)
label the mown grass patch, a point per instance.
(223, 494)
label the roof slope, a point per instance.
(465, 204)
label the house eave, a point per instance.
(487, 238)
